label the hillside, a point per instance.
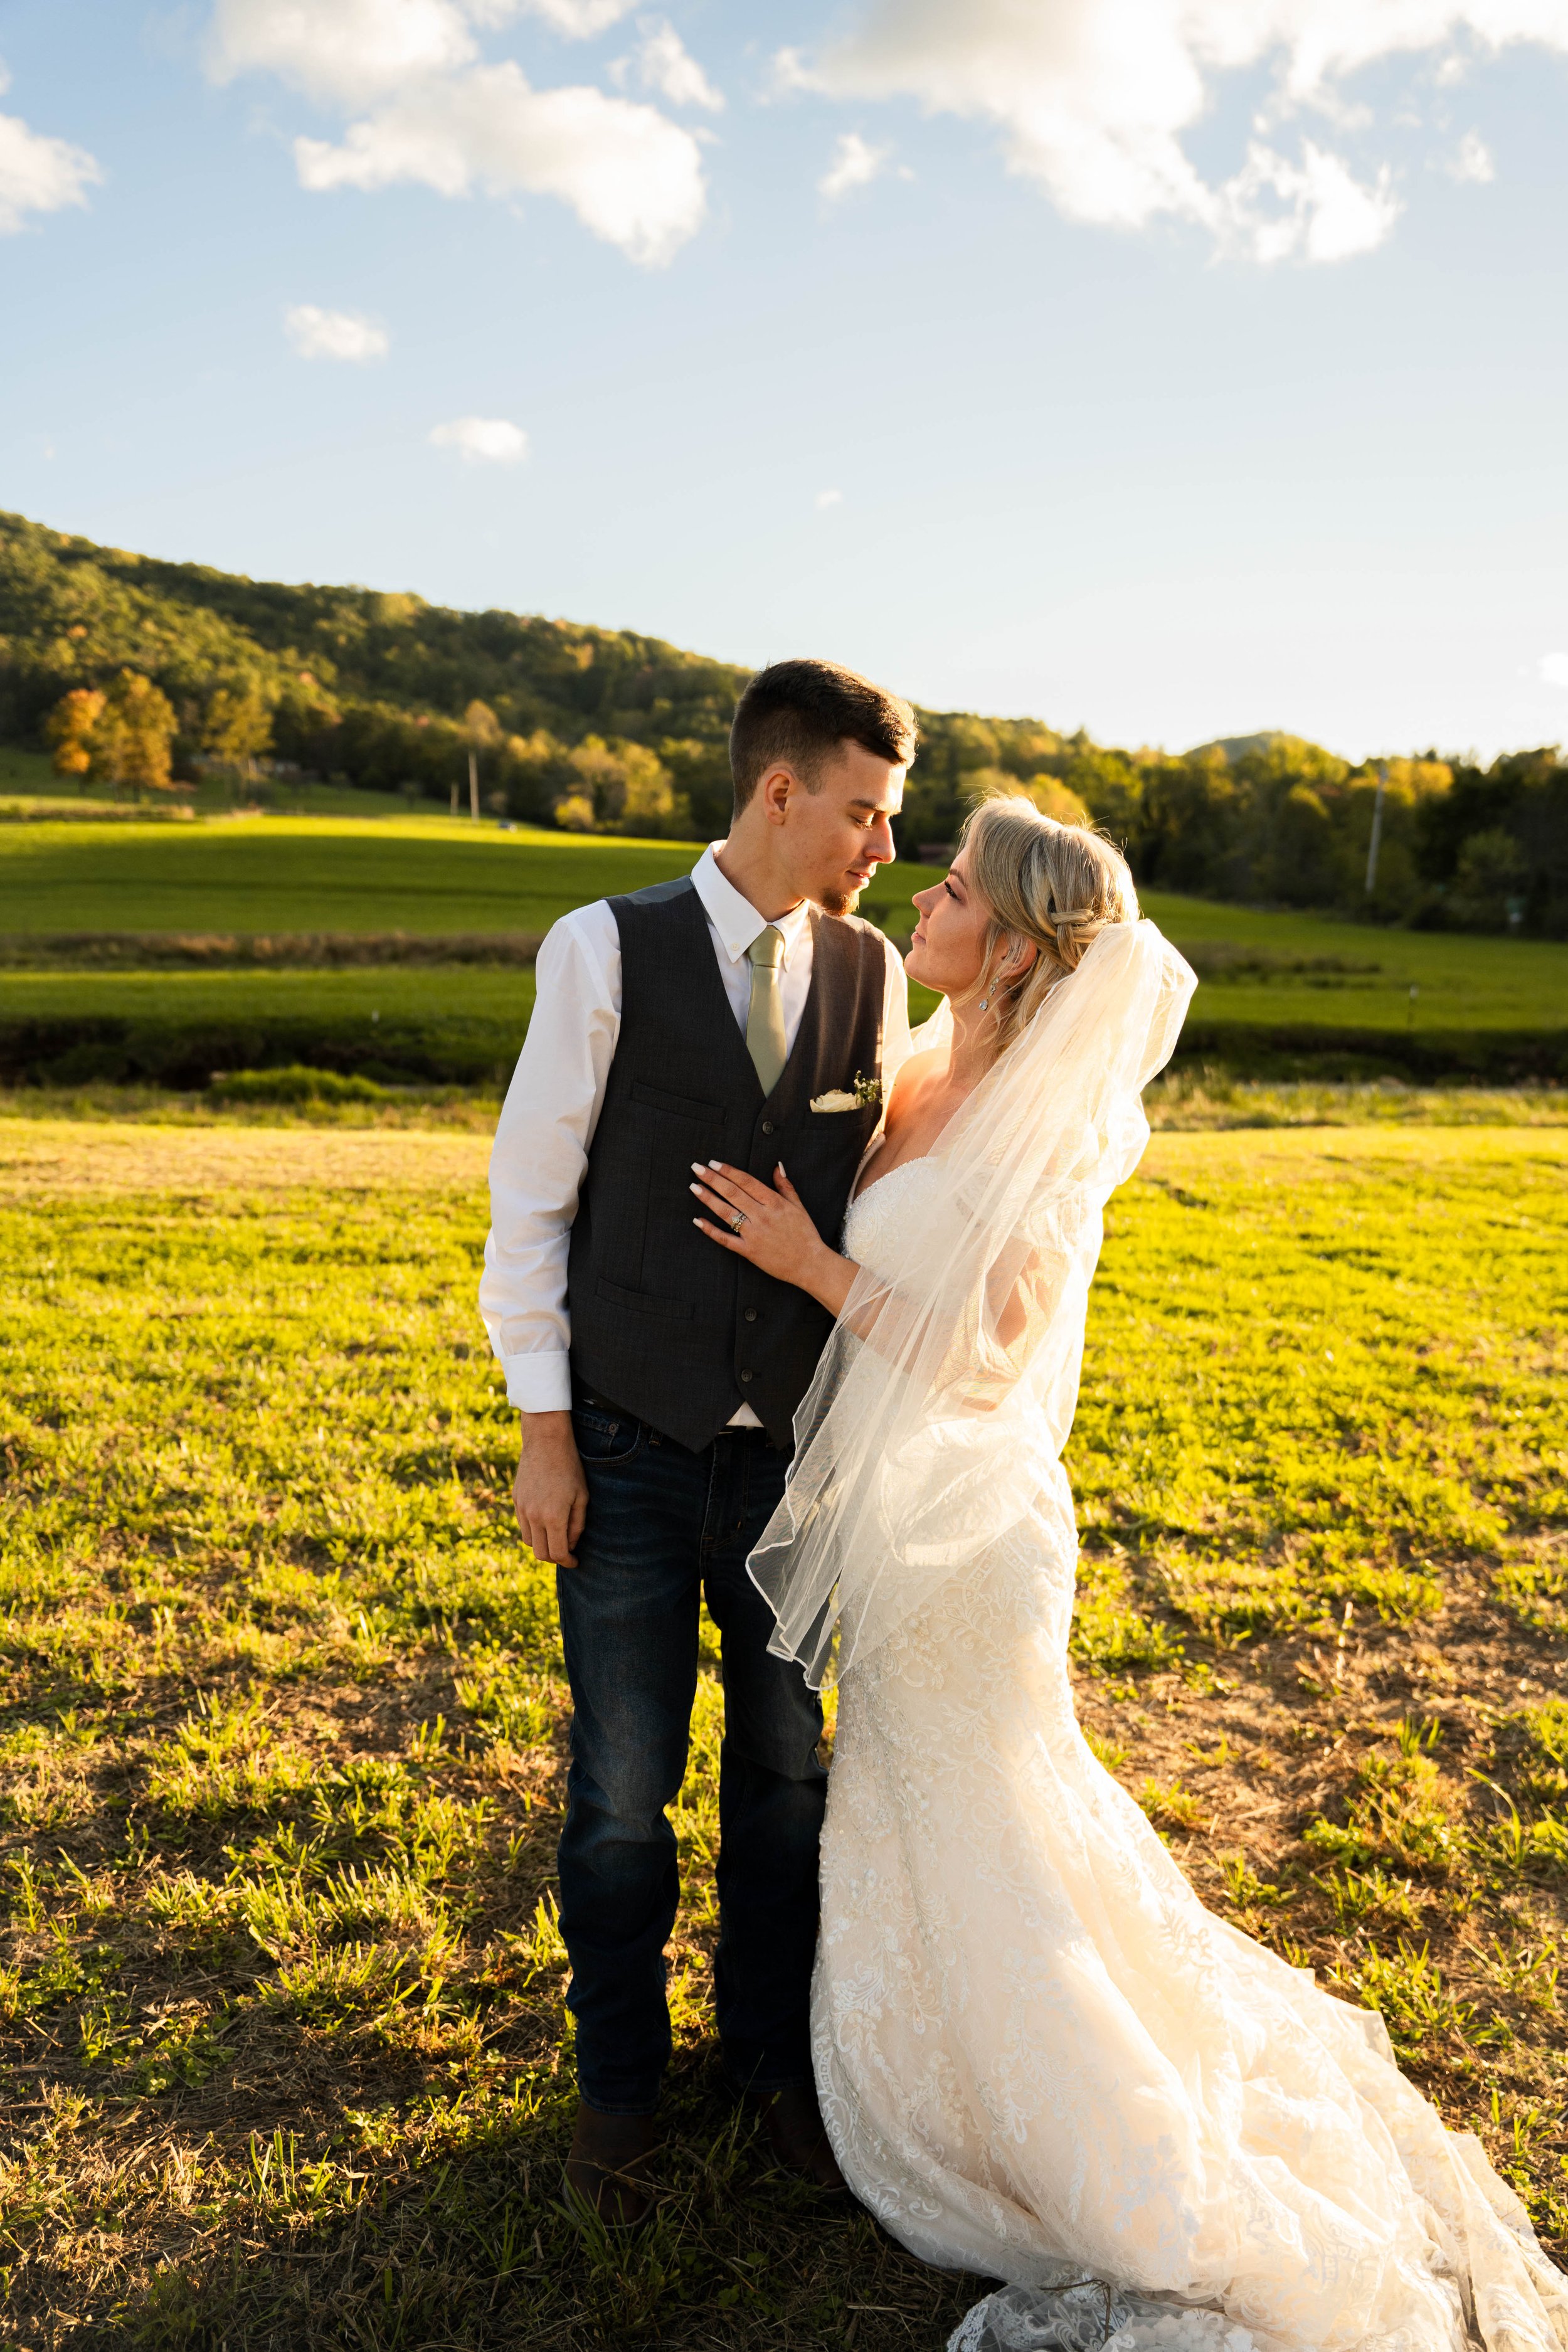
(70, 610)
(604, 731)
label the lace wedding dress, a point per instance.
(1041, 2060)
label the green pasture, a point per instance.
(28, 772)
(1273, 985)
(404, 1024)
(282, 2040)
(427, 875)
(1364, 974)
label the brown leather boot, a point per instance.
(608, 2164)
(792, 2123)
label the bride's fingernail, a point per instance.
(715, 1163)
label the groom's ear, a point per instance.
(776, 787)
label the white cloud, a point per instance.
(855, 163)
(1093, 97)
(482, 439)
(436, 116)
(1473, 161)
(352, 50)
(38, 174)
(825, 499)
(581, 20)
(1312, 211)
(1555, 670)
(663, 64)
(631, 175)
(317, 334)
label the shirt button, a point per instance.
(751, 1314)
(767, 1126)
(745, 1376)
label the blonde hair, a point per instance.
(1054, 886)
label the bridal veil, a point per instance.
(945, 1396)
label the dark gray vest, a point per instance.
(664, 1322)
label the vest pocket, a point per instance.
(679, 1105)
(643, 1302)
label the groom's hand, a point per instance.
(550, 1490)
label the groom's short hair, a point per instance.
(800, 711)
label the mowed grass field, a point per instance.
(437, 876)
(282, 2042)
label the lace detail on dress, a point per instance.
(1077, 2319)
(1041, 2060)
(870, 1222)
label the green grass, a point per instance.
(499, 999)
(281, 2033)
(1291, 994)
(425, 875)
(401, 1022)
(1462, 982)
(28, 772)
(433, 876)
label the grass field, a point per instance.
(434, 875)
(1284, 993)
(281, 2032)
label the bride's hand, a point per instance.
(770, 1228)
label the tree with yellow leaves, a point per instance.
(121, 736)
(69, 731)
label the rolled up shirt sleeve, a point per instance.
(541, 1153)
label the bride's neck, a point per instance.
(973, 1046)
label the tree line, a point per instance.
(136, 672)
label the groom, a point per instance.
(733, 1014)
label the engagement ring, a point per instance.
(740, 1221)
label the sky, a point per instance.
(1171, 368)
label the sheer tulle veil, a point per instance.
(941, 1402)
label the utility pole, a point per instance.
(474, 785)
(1376, 829)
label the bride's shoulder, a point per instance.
(915, 1076)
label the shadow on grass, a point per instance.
(485, 2248)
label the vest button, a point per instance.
(745, 1376)
(767, 1126)
(751, 1314)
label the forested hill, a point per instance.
(70, 612)
(607, 730)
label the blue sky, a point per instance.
(1172, 367)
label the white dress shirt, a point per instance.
(552, 1106)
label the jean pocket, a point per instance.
(603, 1437)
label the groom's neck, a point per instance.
(752, 860)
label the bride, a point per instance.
(1039, 2057)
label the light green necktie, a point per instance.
(764, 1019)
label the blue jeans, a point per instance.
(664, 1526)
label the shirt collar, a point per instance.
(735, 921)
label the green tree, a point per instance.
(238, 728)
(137, 727)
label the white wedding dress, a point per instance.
(1041, 2060)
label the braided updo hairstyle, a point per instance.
(1056, 886)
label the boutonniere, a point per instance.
(865, 1094)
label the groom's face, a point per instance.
(840, 834)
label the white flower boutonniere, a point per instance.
(865, 1094)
